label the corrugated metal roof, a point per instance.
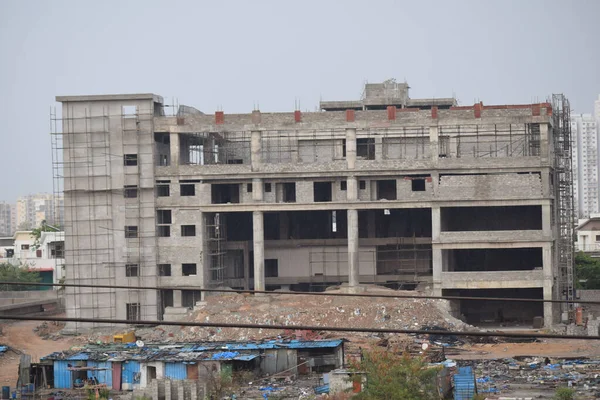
(302, 344)
(183, 351)
(246, 357)
(78, 356)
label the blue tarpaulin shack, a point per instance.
(121, 366)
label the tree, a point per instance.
(394, 376)
(564, 393)
(587, 271)
(17, 273)
(37, 233)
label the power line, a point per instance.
(298, 327)
(367, 295)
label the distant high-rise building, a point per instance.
(7, 219)
(33, 209)
(584, 128)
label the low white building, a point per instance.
(588, 234)
(45, 257)
(7, 248)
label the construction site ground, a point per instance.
(21, 337)
(289, 310)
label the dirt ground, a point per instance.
(21, 336)
(549, 348)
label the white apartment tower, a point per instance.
(586, 148)
(32, 209)
(7, 219)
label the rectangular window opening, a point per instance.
(597, 238)
(130, 191)
(188, 230)
(386, 190)
(343, 185)
(418, 185)
(133, 311)
(224, 193)
(365, 148)
(322, 191)
(163, 217)
(187, 189)
(267, 188)
(131, 231)
(362, 185)
(164, 269)
(132, 270)
(163, 190)
(249, 188)
(271, 268)
(188, 269)
(129, 111)
(130, 159)
(289, 192)
(163, 231)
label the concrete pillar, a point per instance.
(546, 189)
(435, 180)
(177, 302)
(352, 188)
(255, 150)
(378, 148)
(204, 257)
(246, 267)
(258, 236)
(257, 189)
(434, 149)
(174, 139)
(436, 223)
(437, 263)
(548, 284)
(436, 256)
(544, 139)
(351, 147)
(546, 220)
(353, 265)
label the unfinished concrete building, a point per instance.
(470, 200)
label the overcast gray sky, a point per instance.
(231, 54)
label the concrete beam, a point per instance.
(363, 205)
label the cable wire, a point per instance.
(367, 295)
(298, 327)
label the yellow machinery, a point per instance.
(127, 337)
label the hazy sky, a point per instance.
(231, 54)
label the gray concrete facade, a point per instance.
(331, 196)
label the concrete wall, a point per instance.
(96, 135)
(329, 260)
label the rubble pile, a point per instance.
(295, 310)
(49, 330)
(507, 375)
